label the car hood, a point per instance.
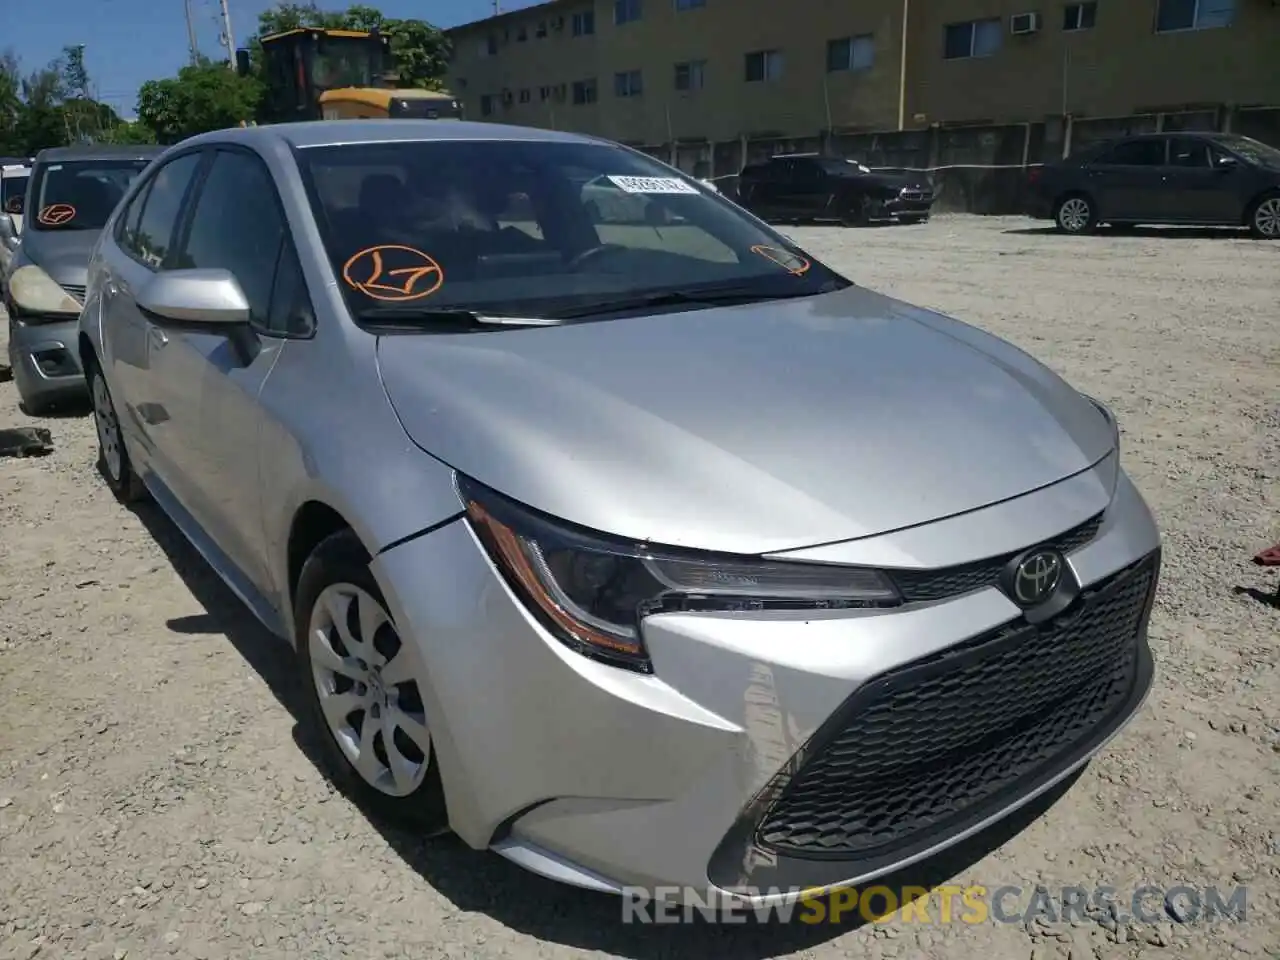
(62, 254)
(746, 429)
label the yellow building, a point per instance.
(662, 72)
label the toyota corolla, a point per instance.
(642, 549)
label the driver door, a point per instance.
(213, 380)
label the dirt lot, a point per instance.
(156, 798)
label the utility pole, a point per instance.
(191, 32)
(227, 37)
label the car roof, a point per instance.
(97, 152)
(325, 133)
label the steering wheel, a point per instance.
(594, 253)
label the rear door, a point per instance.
(142, 245)
(1127, 181)
(1197, 187)
(807, 189)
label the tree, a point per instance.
(203, 97)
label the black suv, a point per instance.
(808, 186)
(1216, 179)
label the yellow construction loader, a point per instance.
(315, 74)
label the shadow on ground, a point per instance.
(1163, 233)
(476, 881)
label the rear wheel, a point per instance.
(1264, 217)
(1075, 214)
(113, 459)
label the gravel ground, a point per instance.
(156, 798)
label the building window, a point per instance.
(491, 45)
(584, 23)
(1079, 16)
(1194, 14)
(522, 35)
(628, 84)
(691, 75)
(584, 91)
(542, 29)
(763, 65)
(525, 96)
(851, 53)
(544, 94)
(486, 105)
(626, 11)
(690, 4)
(975, 38)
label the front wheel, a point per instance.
(365, 688)
(1075, 215)
(1264, 220)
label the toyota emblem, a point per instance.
(1035, 577)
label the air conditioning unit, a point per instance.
(1021, 24)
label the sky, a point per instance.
(130, 41)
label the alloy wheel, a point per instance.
(1266, 217)
(1074, 214)
(104, 418)
(367, 690)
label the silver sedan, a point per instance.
(643, 552)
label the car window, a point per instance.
(513, 224)
(1188, 152)
(12, 192)
(1134, 153)
(79, 194)
(291, 313)
(151, 240)
(237, 225)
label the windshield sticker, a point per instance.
(652, 185)
(393, 273)
(56, 214)
(790, 262)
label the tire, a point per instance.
(1074, 214)
(113, 459)
(1264, 217)
(856, 214)
(340, 668)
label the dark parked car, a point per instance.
(804, 186)
(1216, 179)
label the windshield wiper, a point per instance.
(678, 298)
(415, 318)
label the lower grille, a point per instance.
(916, 196)
(942, 740)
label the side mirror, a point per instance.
(196, 297)
(1225, 163)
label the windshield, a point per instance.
(12, 190)
(535, 227)
(346, 62)
(79, 194)
(1253, 150)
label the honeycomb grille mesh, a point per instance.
(938, 738)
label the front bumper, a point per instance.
(46, 360)
(772, 750)
(915, 204)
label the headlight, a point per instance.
(592, 591)
(37, 297)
